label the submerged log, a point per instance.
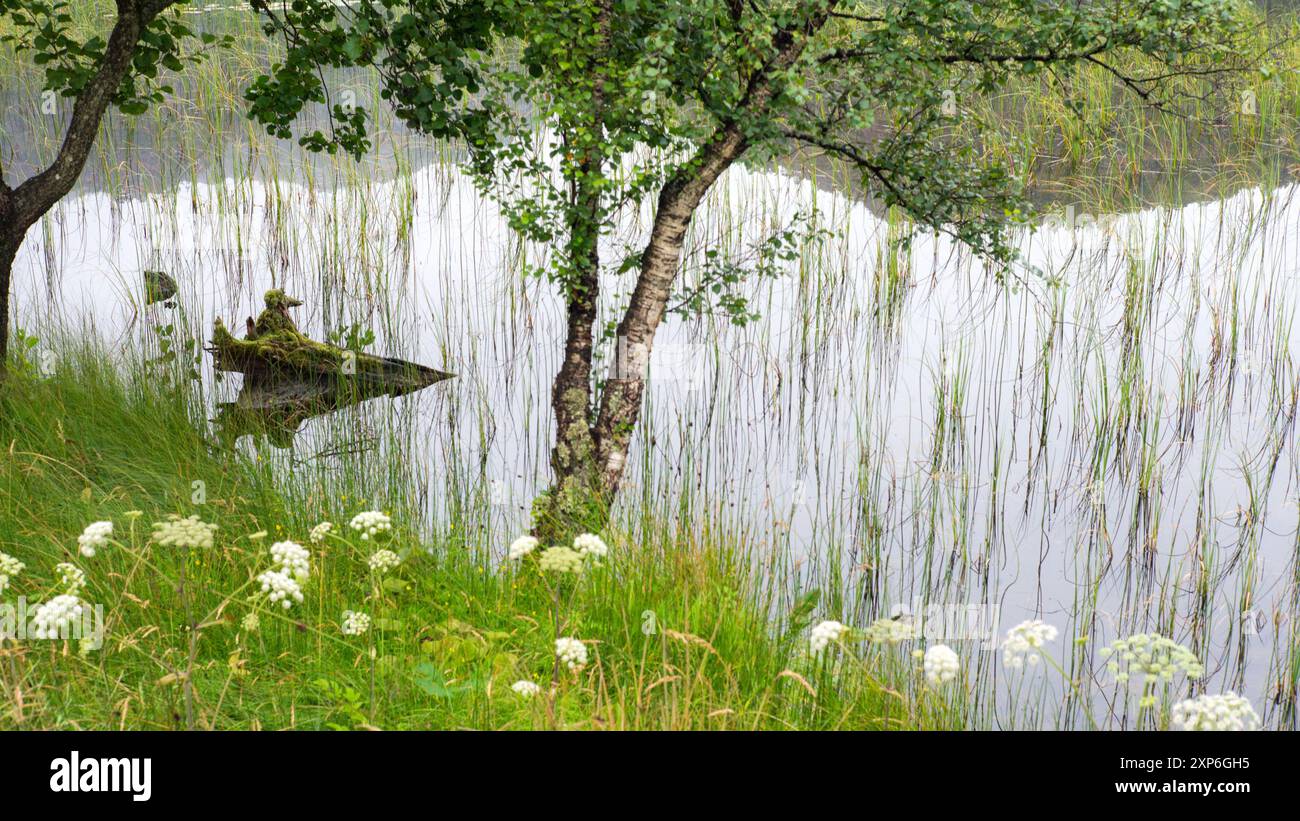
(289, 377)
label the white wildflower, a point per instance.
(251, 623)
(571, 651)
(891, 631)
(94, 537)
(187, 532)
(9, 568)
(354, 623)
(293, 559)
(371, 523)
(54, 618)
(319, 532)
(561, 560)
(589, 544)
(522, 546)
(941, 665)
(1228, 711)
(526, 688)
(1025, 641)
(381, 561)
(1150, 655)
(71, 578)
(280, 587)
(825, 634)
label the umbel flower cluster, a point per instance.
(559, 558)
(354, 623)
(280, 588)
(94, 537)
(941, 665)
(1025, 641)
(319, 532)
(526, 688)
(522, 546)
(382, 561)
(370, 523)
(187, 532)
(53, 619)
(1228, 711)
(589, 544)
(825, 634)
(1152, 656)
(72, 579)
(293, 559)
(283, 583)
(890, 631)
(571, 652)
(10, 568)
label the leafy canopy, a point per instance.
(625, 92)
(70, 56)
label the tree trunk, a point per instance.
(8, 252)
(575, 502)
(620, 405)
(22, 206)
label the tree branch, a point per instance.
(36, 195)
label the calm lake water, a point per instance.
(1113, 453)
(1104, 439)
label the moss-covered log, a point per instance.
(289, 378)
(290, 356)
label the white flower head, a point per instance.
(522, 546)
(319, 532)
(370, 523)
(293, 559)
(1025, 641)
(1228, 711)
(526, 688)
(9, 569)
(354, 623)
(891, 631)
(941, 665)
(280, 587)
(54, 618)
(589, 544)
(251, 623)
(94, 537)
(825, 634)
(382, 561)
(571, 652)
(187, 532)
(71, 578)
(1151, 656)
(560, 559)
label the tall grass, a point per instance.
(1109, 445)
(678, 627)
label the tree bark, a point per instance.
(620, 405)
(8, 252)
(22, 206)
(575, 501)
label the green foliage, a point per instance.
(718, 289)
(70, 55)
(629, 90)
(88, 444)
